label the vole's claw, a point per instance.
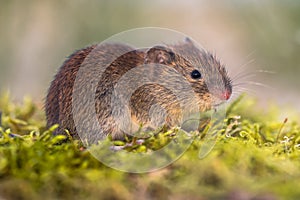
(140, 141)
(117, 148)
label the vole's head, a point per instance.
(207, 76)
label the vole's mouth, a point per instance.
(218, 102)
(220, 97)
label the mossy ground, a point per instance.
(256, 157)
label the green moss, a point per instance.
(255, 156)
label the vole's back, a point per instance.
(58, 104)
(59, 96)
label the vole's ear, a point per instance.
(160, 54)
(189, 42)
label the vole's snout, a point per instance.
(226, 95)
(222, 95)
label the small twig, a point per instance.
(280, 130)
(0, 118)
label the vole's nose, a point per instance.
(226, 95)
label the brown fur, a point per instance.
(182, 57)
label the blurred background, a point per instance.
(258, 41)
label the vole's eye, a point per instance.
(172, 55)
(196, 74)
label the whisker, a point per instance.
(243, 89)
(233, 97)
(240, 87)
(246, 90)
(252, 74)
(239, 84)
(237, 94)
(246, 64)
(242, 68)
(250, 54)
(244, 81)
(266, 71)
(254, 83)
(244, 76)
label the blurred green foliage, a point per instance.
(256, 156)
